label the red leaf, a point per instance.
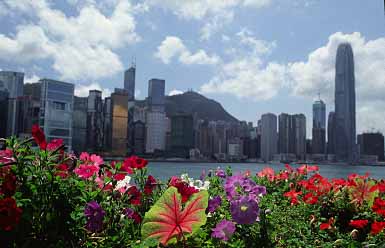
(167, 222)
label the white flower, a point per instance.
(125, 183)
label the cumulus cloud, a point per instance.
(317, 74)
(31, 79)
(83, 90)
(175, 92)
(81, 47)
(215, 13)
(173, 46)
(245, 75)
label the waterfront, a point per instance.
(164, 170)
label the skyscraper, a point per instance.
(269, 136)
(345, 105)
(119, 117)
(129, 82)
(319, 123)
(156, 99)
(292, 135)
(12, 83)
(95, 120)
(331, 133)
(56, 110)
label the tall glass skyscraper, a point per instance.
(345, 105)
(129, 82)
(319, 123)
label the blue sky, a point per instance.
(253, 56)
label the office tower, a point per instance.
(156, 122)
(156, 125)
(372, 144)
(300, 136)
(139, 137)
(269, 136)
(119, 120)
(129, 82)
(156, 99)
(107, 128)
(12, 83)
(95, 121)
(204, 138)
(3, 113)
(331, 133)
(345, 104)
(182, 134)
(235, 148)
(33, 90)
(79, 124)
(284, 127)
(319, 124)
(56, 110)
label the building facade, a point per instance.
(95, 120)
(182, 134)
(119, 121)
(12, 83)
(56, 110)
(129, 82)
(269, 137)
(79, 124)
(371, 144)
(345, 105)
(331, 147)
(156, 127)
(319, 125)
(156, 98)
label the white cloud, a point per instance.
(214, 13)
(245, 75)
(175, 92)
(82, 46)
(83, 90)
(32, 79)
(318, 72)
(173, 46)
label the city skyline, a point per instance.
(288, 62)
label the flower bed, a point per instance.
(51, 198)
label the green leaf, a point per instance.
(167, 222)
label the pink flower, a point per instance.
(86, 171)
(6, 156)
(54, 144)
(267, 172)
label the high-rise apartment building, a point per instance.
(268, 136)
(372, 144)
(156, 125)
(12, 83)
(345, 105)
(319, 125)
(156, 98)
(107, 128)
(56, 110)
(292, 135)
(182, 134)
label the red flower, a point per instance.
(9, 214)
(54, 144)
(119, 177)
(327, 225)
(304, 169)
(379, 206)
(62, 170)
(267, 172)
(39, 137)
(309, 198)
(359, 224)
(135, 162)
(127, 166)
(8, 187)
(150, 185)
(183, 188)
(377, 227)
(86, 171)
(135, 195)
(6, 156)
(381, 186)
(292, 195)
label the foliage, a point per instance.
(50, 198)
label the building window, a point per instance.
(59, 105)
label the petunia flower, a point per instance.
(86, 171)
(359, 224)
(223, 230)
(150, 185)
(245, 210)
(131, 214)
(377, 227)
(293, 196)
(214, 203)
(95, 215)
(10, 214)
(39, 137)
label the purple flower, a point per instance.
(214, 203)
(238, 185)
(245, 210)
(223, 230)
(131, 214)
(94, 214)
(220, 173)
